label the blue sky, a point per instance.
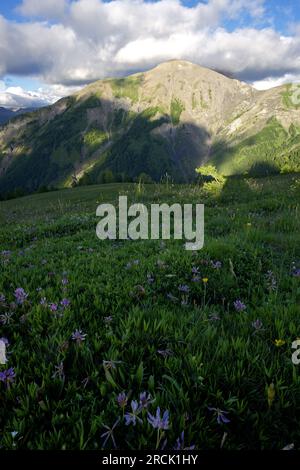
(52, 47)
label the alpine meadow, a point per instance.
(149, 343)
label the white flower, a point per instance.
(3, 359)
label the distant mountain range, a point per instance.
(171, 119)
(7, 114)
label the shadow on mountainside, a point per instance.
(246, 188)
(99, 141)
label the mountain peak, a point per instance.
(178, 62)
(190, 70)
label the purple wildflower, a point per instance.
(132, 417)
(108, 320)
(78, 336)
(180, 443)
(6, 253)
(7, 377)
(257, 325)
(65, 303)
(271, 281)
(295, 271)
(239, 306)
(145, 399)
(183, 288)
(20, 295)
(196, 278)
(135, 262)
(158, 421)
(53, 307)
(2, 299)
(138, 292)
(59, 371)
(122, 400)
(216, 264)
(220, 414)
(43, 301)
(64, 281)
(195, 270)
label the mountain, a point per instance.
(171, 119)
(7, 114)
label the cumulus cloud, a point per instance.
(272, 82)
(18, 97)
(47, 9)
(74, 42)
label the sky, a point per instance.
(52, 48)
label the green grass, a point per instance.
(194, 101)
(252, 228)
(137, 150)
(177, 107)
(93, 139)
(55, 149)
(127, 87)
(201, 103)
(289, 95)
(272, 150)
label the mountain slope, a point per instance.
(170, 119)
(7, 114)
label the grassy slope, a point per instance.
(137, 150)
(220, 363)
(56, 145)
(273, 149)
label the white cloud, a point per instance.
(18, 97)
(243, 52)
(272, 82)
(47, 9)
(91, 39)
